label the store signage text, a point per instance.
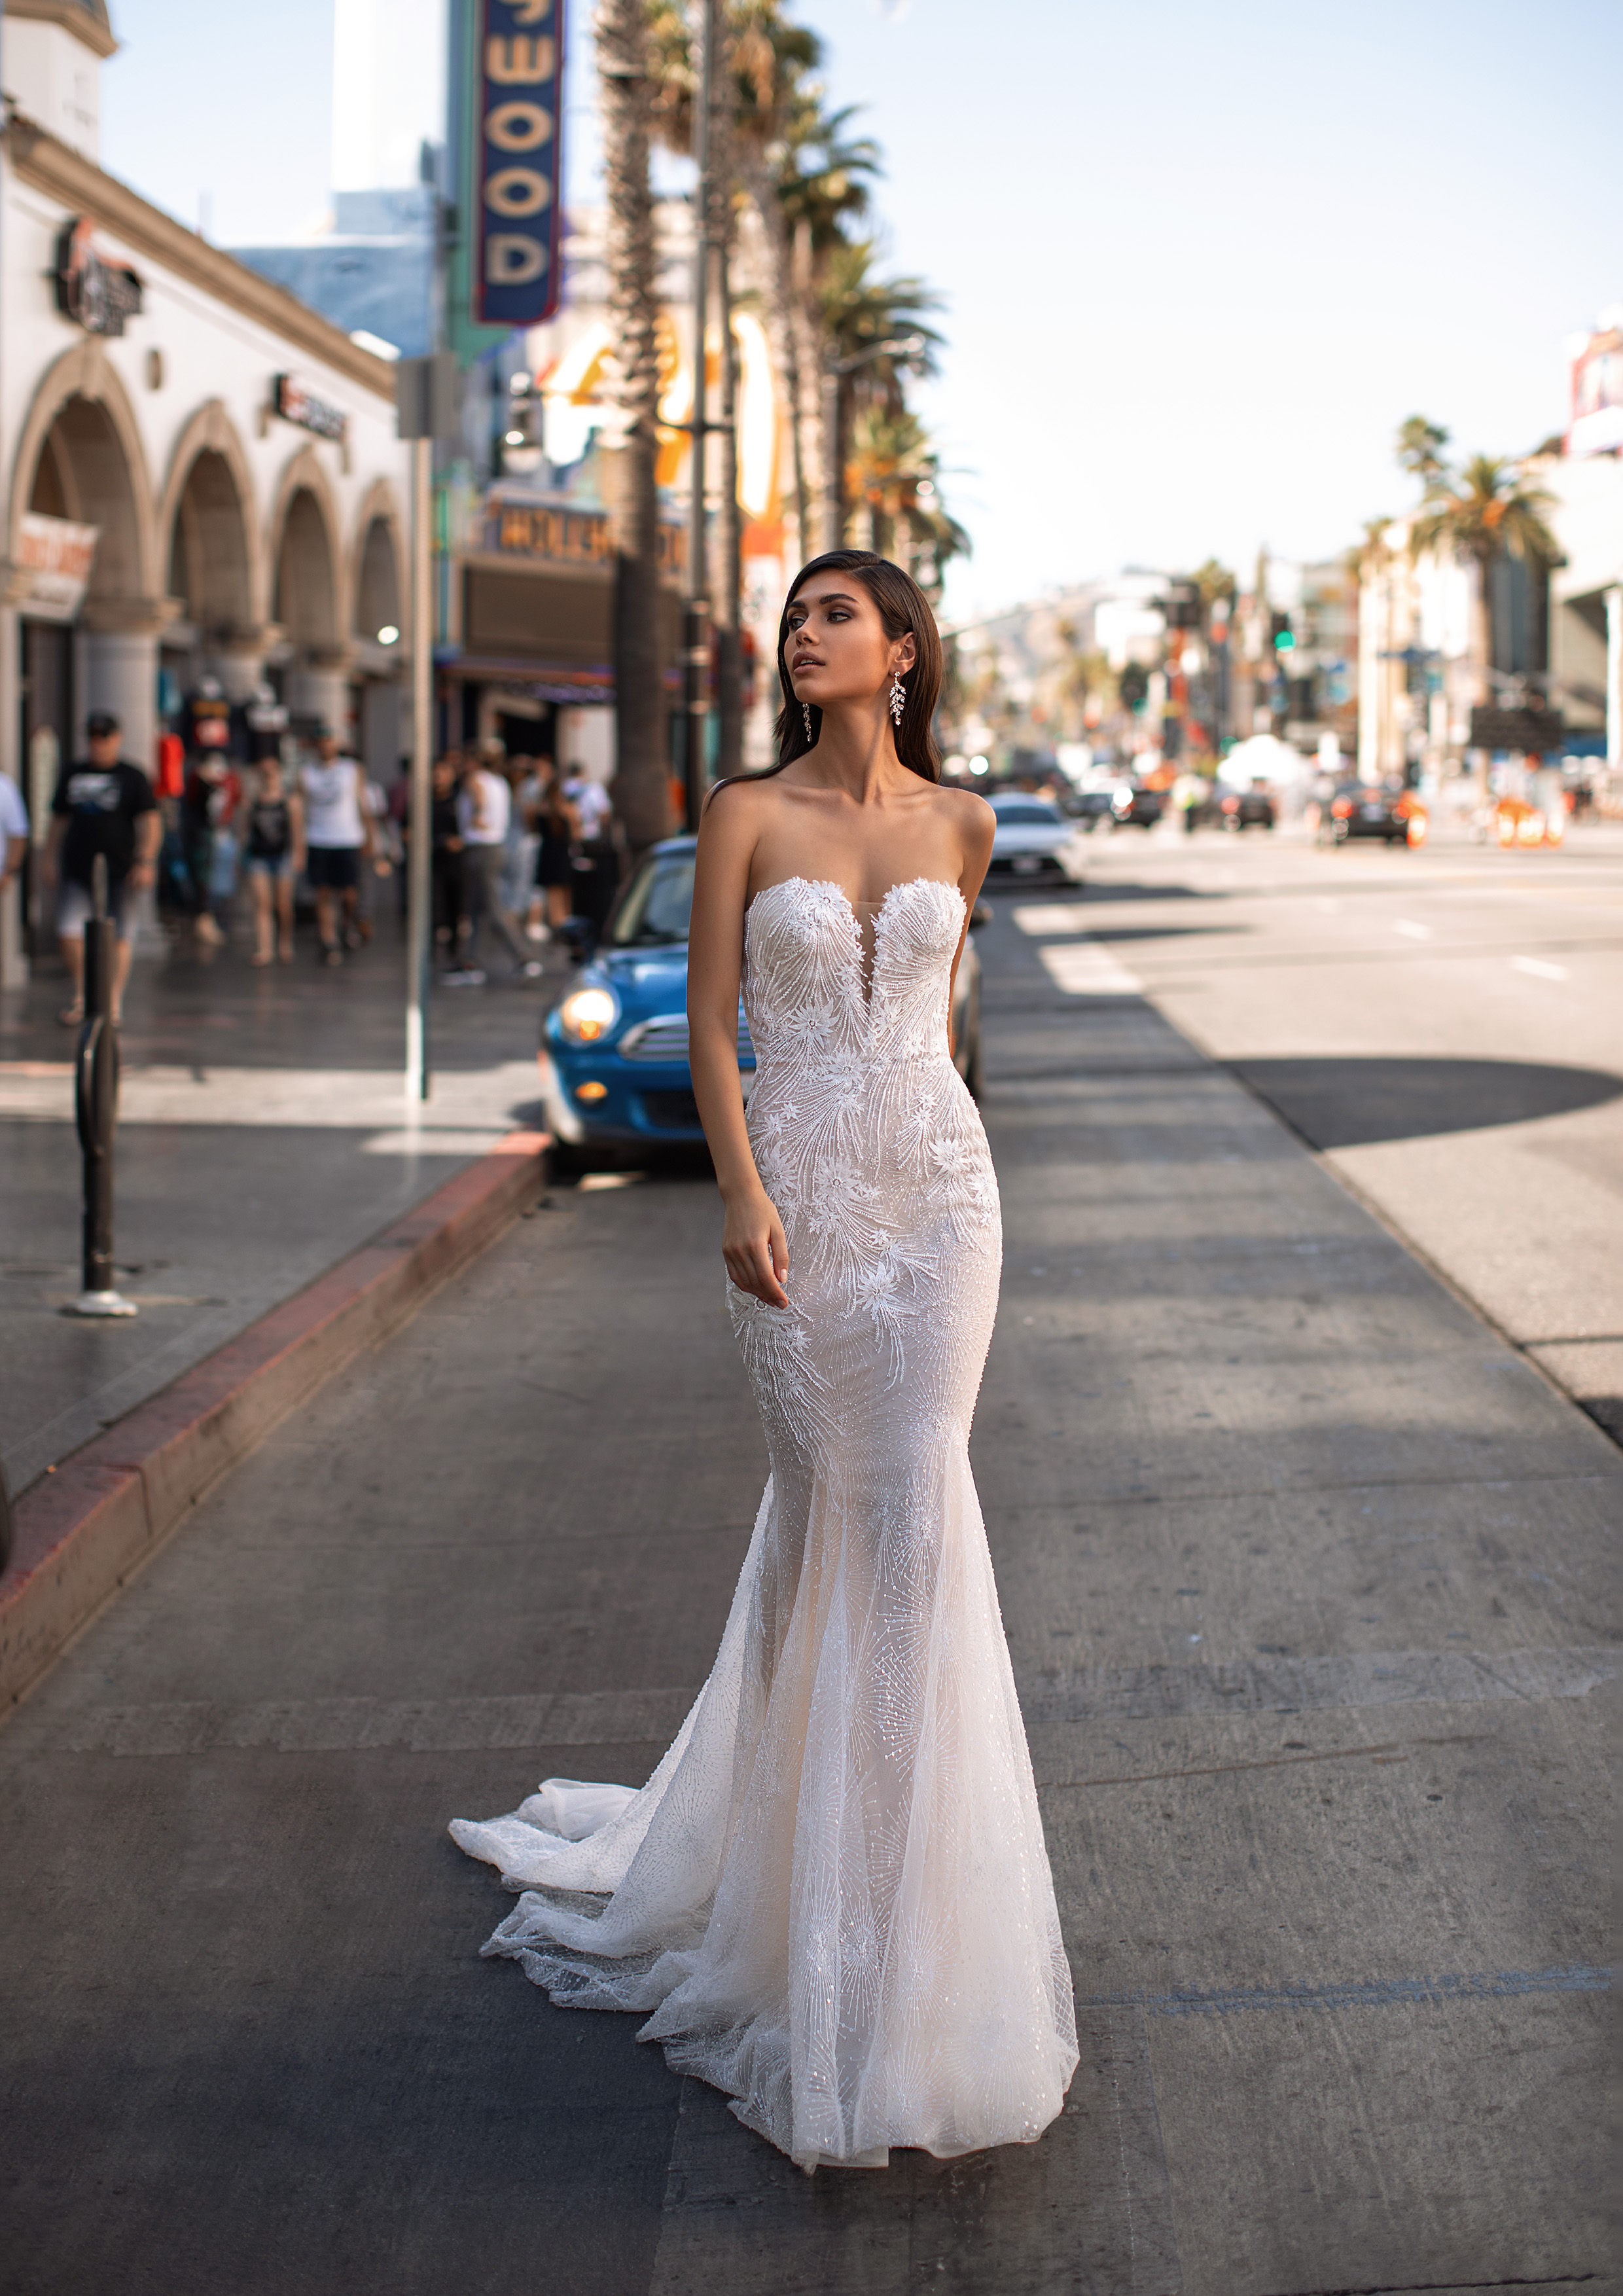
(296, 403)
(578, 538)
(95, 294)
(50, 571)
(518, 186)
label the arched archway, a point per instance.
(304, 602)
(210, 564)
(377, 589)
(80, 458)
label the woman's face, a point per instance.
(836, 648)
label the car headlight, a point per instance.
(589, 1015)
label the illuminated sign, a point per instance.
(96, 295)
(518, 180)
(296, 403)
(578, 537)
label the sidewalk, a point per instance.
(1307, 1585)
(264, 1133)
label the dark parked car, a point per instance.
(614, 1069)
(1249, 809)
(1134, 807)
(1383, 809)
(1088, 807)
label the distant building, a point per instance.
(372, 274)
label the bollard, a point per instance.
(95, 1100)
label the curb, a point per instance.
(81, 1532)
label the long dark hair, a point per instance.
(903, 608)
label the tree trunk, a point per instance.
(787, 327)
(729, 537)
(642, 788)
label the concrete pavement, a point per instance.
(264, 1133)
(1304, 1571)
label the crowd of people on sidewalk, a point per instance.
(522, 852)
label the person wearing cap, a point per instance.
(103, 807)
(338, 836)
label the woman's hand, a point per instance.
(755, 1248)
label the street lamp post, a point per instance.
(696, 621)
(834, 374)
(425, 392)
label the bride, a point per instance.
(833, 1894)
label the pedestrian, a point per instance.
(209, 802)
(557, 826)
(519, 850)
(338, 833)
(833, 1892)
(13, 832)
(103, 808)
(596, 858)
(387, 851)
(274, 856)
(484, 804)
(445, 856)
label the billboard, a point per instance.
(518, 180)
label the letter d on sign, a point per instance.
(512, 261)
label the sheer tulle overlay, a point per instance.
(833, 1894)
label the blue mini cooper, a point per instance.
(614, 1073)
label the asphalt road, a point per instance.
(1305, 1572)
(1445, 1027)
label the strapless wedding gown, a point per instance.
(833, 1893)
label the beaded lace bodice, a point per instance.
(833, 1893)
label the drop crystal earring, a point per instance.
(806, 713)
(898, 698)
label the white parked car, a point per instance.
(1034, 842)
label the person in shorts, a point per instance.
(274, 854)
(104, 808)
(338, 836)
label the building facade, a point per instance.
(203, 479)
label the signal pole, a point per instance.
(696, 621)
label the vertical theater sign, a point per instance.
(518, 181)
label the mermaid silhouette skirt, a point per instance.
(833, 1900)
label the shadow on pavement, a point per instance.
(1353, 1103)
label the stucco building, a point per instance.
(203, 479)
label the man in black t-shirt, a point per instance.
(104, 805)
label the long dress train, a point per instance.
(833, 1893)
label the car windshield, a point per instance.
(655, 911)
(1028, 815)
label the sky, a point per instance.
(1196, 264)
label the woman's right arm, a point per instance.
(753, 1243)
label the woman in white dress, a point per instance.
(833, 1893)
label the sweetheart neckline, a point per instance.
(830, 885)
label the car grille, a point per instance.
(671, 1111)
(665, 1038)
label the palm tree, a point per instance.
(1482, 513)
(1420, 449)
(866, 320)
(625, 67)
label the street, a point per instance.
(1443, 1025)
(1304, 1566)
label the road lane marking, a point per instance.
(1538, 968)
(1052, 917)
(1412, 931)
(1084, 968)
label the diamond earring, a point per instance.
(898, 698)
(806, 713)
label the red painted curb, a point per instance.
(81, 1531)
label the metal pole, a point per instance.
(96, 1108)
(419, 934)
(696, 645)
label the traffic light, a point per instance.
(1283, 636)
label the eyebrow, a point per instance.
(824, 598)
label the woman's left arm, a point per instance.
(977, 831)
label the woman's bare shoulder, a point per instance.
(971, 816)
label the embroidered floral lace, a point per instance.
(833, 1894)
